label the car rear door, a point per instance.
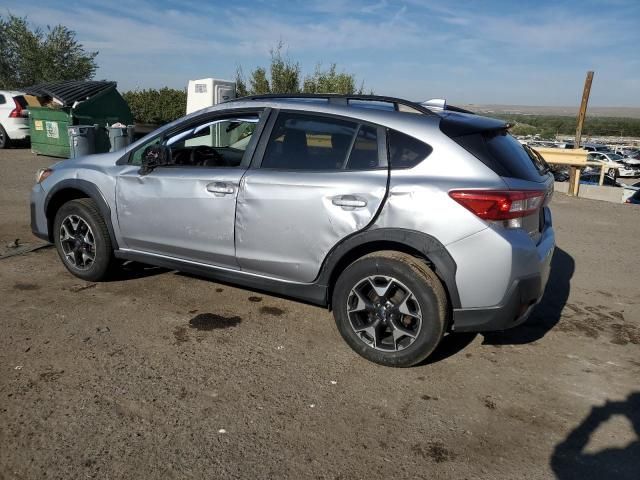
(316, 179)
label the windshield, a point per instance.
(615, 156)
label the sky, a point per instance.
(469, 52)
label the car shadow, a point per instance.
(131, 270)
(569, 460)
(450, 345)
(548, 312)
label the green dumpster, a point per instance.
(74, 103)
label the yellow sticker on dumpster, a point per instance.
(52, 130)
(38, 125)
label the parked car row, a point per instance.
(618, 166)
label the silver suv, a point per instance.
(407, 220)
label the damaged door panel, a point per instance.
(180, 212)
(320, 180)
(287, 222)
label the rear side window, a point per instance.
(364, 154)
(405, 151)
(2, 100)
(311, 142)
(503, 154)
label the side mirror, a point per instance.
(154, 156)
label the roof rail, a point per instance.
(341, 99)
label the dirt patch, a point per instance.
(594, 321)
(275, 311)
(489, 403)
(79, 288)
(51, 376)
(435, 451)
(219, 290)
(211, 321)
(255, 299)
(25, 286)
(181, 336)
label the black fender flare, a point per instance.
(91, 191)
(426, 245)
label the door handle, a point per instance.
(349, 202)
(220, 188)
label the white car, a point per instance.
(616, 167)
(14, 117)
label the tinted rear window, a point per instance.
(503, 154)
(21, 101)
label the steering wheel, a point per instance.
(206, 156)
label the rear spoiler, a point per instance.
(440, 104)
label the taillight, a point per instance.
(17, 112)
(499, 205)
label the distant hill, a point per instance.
(620, 112)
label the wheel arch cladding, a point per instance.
(72, 189)
(411, 242)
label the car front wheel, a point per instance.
(82, 240)
(390, 308)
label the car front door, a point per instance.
(186, 209)
(319, 180)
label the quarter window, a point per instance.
(406, 151)
(2, 100)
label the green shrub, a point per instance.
(157, 106)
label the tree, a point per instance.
(30, 56)
(330, 81)
(285, 77)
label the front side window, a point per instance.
(211, 143)
(136, 156)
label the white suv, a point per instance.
(14, 117)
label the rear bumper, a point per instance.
(16, 128)
(523, 293)
(522, 297)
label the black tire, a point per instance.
(102, 250)
(612, 173)
(426, 290)
(4, 138)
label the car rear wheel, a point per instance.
(390, 308)
(4, 138)
(82, 240)
(612, 172)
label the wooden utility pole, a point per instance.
(574, 176)
(583, 108)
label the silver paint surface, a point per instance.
(281, 224)
(286, 221)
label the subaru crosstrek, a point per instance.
(406, 220)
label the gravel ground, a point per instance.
(164, 375)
